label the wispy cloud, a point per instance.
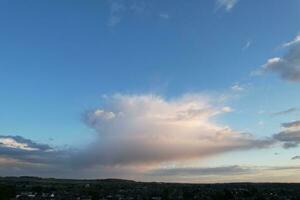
(293, 42)
(164, 16)
(285, 112)
(228, 5)
(237, 87)
(247, 45)
(118, 8)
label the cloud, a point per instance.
(228, 5)
(290, 136)
(164, 16)
(211, 171)
(279, 168)
(28, 152)
(135, 134)
(294, 124)
(291, 43)
(287, 66)
(247, 45)
(237, 88)
(261, 123)
(296, 158)
(234, 173)
(149, 130)
(285, 112)
(227, 109)
(18, 142)
(118, 8)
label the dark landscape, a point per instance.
(35, 188)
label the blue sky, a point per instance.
(62, 61)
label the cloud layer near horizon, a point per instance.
(139, 135)
(139, 132)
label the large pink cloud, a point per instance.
(150, 130)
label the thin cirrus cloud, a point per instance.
(247, 45)
(164, 16)
(286, 67)
(119, 8)
(285, 112)
(237, 88)
(228, 5)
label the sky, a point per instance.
(178, 91)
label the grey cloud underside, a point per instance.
(296, 158)
(291, 124)
(114, 154)
(66, 163)
(135, 152)
(290, 136)
(29, 143)
(288, 66)
(290, 139)
(124, 152)
(40, 153)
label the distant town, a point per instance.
(33, 188)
